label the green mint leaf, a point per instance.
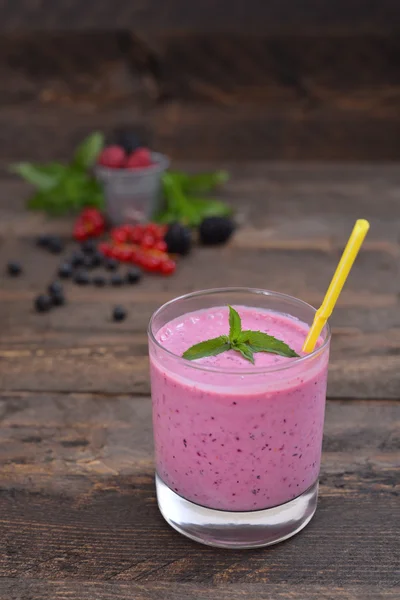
(44, 177)
(176, 201)
(262, 342)
(201, 183)
(244, 350)
(165, 217)
(235, 325)
(186, 209)
(75, 190)
(87, 152)
(209, 348)
(208, 208)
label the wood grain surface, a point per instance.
(78, 515)
(253, 15)
(202, 96)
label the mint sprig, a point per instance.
(62, 188)
(246, 342)
(184, 201)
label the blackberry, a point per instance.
(178, 239)
(216, 230)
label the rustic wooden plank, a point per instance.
(196, 131)
(292, 244)
(77, 502)
(104, 67)
(10, 589)
(90, 353)
(283, 16)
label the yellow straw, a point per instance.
(338, 280)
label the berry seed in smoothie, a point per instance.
(230, 434)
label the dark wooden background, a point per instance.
(316, 80)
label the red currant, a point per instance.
(119, 235)
(160, 245)
(155, 230)
(137, 234)
(148, 241)
(168, 267)
(105, 249)
(151, 263)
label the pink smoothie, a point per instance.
(227, 435)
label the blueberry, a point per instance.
(65, 271)
(119, 313)
(58, 299)
(99, 281)
(116, 279)
(133, 275)
(216, 230)
(97, 258)
(88, 246)
(81, 278)
(111, 264)
(55, 288)
(55, 244)
(14, 269)
(43, 241)
(88, 262)
(128, 140)
(77, 259)
(178, 239)
(43, 303)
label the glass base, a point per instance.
(227, 529)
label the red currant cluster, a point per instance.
(142, 245)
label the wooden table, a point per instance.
(78, 513)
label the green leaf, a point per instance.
(209, 208)
(235, 325)
(75, 190)
(201, 183)
(209, 348)
(262, 342)
(244, 350)
(186, 209)
(43, 177)
(87, 152)
(176, 201)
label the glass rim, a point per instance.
(255, 370)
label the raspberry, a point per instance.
(112, 157)
(139, 159)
